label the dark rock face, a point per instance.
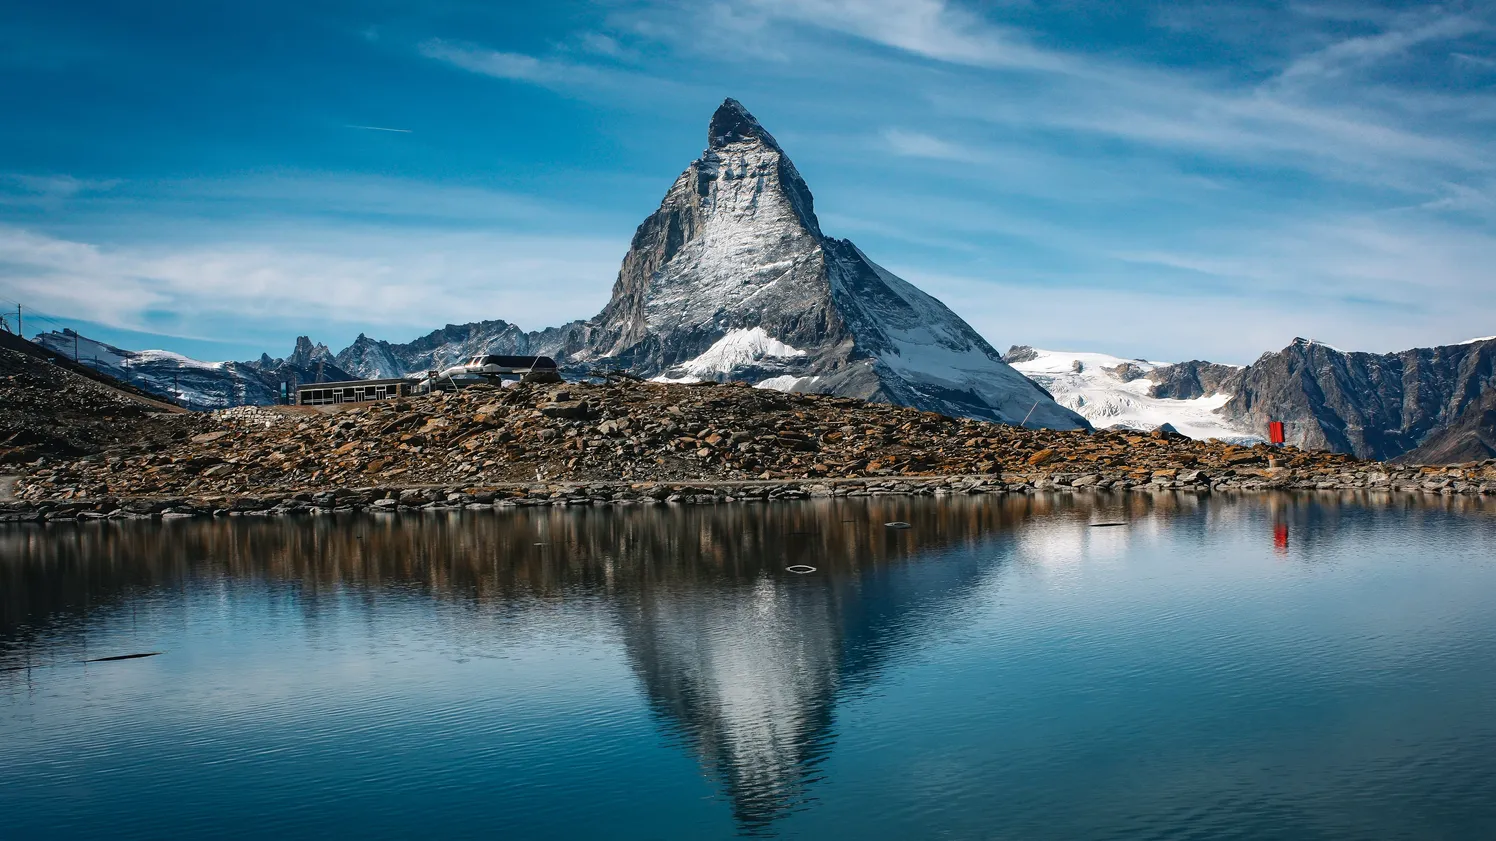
(1373, 405)
(1469, 437)
(1196, 378)
(1020, 353)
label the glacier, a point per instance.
(1118, 393)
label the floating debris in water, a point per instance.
(122, 657)
(897, 524)
(1104, 525)
(800, 569)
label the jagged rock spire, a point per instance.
(732, 124)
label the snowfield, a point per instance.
(739, 348)
(787, 382)
(1093, 385)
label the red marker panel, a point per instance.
(1275, 432)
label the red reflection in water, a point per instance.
(1280, 538)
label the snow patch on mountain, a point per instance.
(1113, 392)
(737, 349)
(787, 383)
(169, 359)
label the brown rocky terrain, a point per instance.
(625, 439)
(49, 410)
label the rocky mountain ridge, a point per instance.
(197, 384)
(377, 359)
(1423, 404)
(1377, 406)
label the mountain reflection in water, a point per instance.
(742, 662)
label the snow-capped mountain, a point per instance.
(732, 279)
(1112, 392)
(442, 348)
(194, 383)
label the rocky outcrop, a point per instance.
(1469, 437)
(1196, 378)
(1377, 406)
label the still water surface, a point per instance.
(1261, 668)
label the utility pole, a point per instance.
(75, 345)
(20, 331)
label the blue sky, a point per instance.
(1158, 179)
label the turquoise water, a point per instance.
(1259, 668)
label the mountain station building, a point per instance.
(352, 391)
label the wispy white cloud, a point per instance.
(592, 66)
(1484, 62)
(1001, 75)
(391, 278)
(930, 28)
(497, 63)
(57, 186)
(1373, 282)
(917, 144)
(602, 44)
(1351, 54)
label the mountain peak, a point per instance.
(731, 123)
(733, 279)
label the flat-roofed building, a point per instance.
(353, 391)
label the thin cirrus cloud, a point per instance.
(917, 144)
(497, 63)
(404, 279)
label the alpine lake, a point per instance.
(1080, 666)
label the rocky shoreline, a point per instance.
(623, 441)
(397, 499)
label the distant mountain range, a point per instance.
(1432, 405)
(733, 279)
(196, 384)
